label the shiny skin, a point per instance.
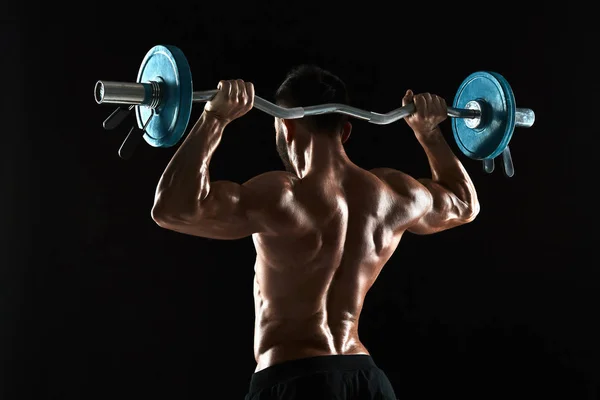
(323, 229)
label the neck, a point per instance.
(320, 155)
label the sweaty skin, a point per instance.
(323, 229)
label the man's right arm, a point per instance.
(454, 198)
(448, 198)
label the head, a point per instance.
(310, 85)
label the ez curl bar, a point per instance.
(484, 111)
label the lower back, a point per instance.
(292, 337)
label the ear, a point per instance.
(289, 130)
(346, 130)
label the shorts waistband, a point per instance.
(293, 368)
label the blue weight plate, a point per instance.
(488, 140)
(168, 66)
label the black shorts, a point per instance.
(343, 377)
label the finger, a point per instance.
(434, 104)
(241, 90)
(408, 97)
(430, 105)
(443, 104)
(233, 93)
(428, 100)
(224, 87)
(250, 93)
(421, 105)
(440, 105)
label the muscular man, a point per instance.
(323, 229)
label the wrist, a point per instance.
(213, 119)
(432, 135)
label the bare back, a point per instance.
(309, 288)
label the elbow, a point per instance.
(167, 217)
(164, 216)
(160, 216)
(470, 203)
(471, 212)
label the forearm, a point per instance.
(186, 180)
(446, 168)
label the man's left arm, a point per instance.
(232, 211)
(187, 201)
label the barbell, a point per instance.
(484, 114)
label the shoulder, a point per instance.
(270, 191)
(403, 185)
(272, 182)
(397, 180)
(273, 203)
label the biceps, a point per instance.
(446, 211)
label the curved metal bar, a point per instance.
(141, 94)
(300, 112)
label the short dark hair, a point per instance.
(311, 85)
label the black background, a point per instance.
(99, 302)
